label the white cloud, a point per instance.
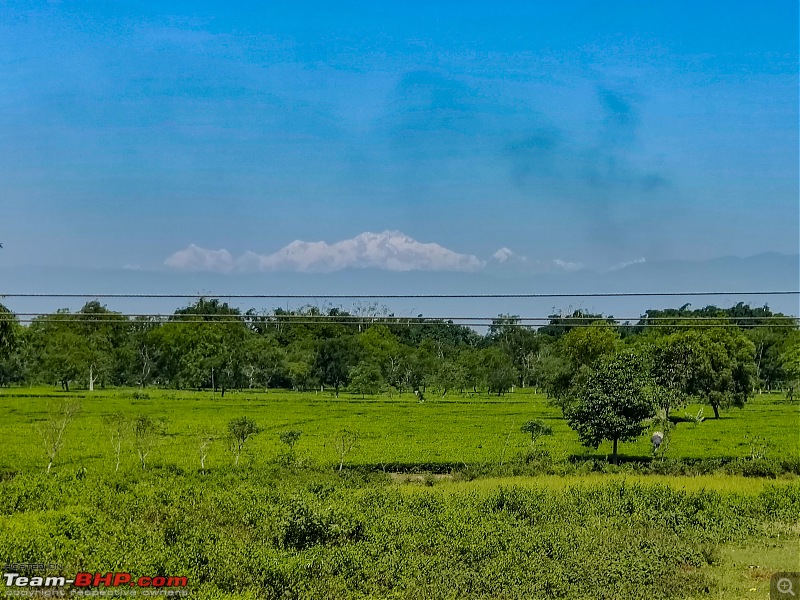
(507, 255)
(622, 265)
(195, 258)
(508, 260)
(389, 250)
(567, 266)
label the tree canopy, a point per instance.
(612, 403)
(209, 344)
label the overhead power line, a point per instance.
(406, 296)
(85, 319)
(498, 319)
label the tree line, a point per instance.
(721, 355)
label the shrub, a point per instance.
(146, 433)
(54, 427)
(304, 525)
(240, 430)
(536, 429)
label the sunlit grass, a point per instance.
(393, 430)
(716, 482)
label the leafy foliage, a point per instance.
(333, 362)
(724, 371)
(8, 329)
(271, 536)
(613, 403)
(536, 429)
(211, 345)
(365, 378)
(240, 430)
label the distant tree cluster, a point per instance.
(211, 345)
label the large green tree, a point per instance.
(81, 346)
(8, 323)
(769, 343)
(473, 368)
(366, 378)
(723, 370)
(103, 332)
(205, 343)
(672, 360)
(140, 353)
(12, 338)
(521, 343)
(382, 348)
(264, 361)
(586, 345)
(573, 354)
(58, 350)
(612, 403)
(500, 372)
(333, 361)
(790, 363)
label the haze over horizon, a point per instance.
(522, 140)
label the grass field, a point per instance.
(272, 529)
(393, 431)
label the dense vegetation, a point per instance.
(588, 364)
(275, 534)
(472, 436)
(275, 518)
(410, 458)
(721, 354)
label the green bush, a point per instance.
(290, 534)
(303, 525)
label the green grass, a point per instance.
(268, 530)
(276, 533)
(744, 570)
(400, 430)
(701, 483)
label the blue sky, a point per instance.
(572, 133)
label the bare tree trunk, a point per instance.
(145, 366)
(758, 366)
(92, 378)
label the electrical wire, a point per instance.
(501, 319)
(406, 296)
(274, 324)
